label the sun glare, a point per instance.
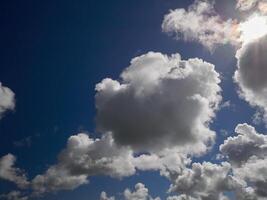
(255, 27)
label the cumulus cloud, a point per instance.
(254, 171)
(7, 99)
(162, 101)
(204, 181)
(84, 157)
(14, 195)
(103, 196)
(10, 173)
(208, 181)
(247, 143)
(200, 23)
(248, 154)
(140, 193)
(251, 73)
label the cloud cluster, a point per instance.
(251, 73)
(10, 173)
(200, 23)
(84, 157)
(7, 99)
(162, 101)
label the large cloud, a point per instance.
(10, 173)
(7, 99)
(160, 102)
(200, 23)
(251, 73)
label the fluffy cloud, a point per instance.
(104, 196)
(251, 73)
(140, 193)
(247, 143)
(10, 173)
(84, 157)
(209, 181)
(248, 153)
(200, 23)
(255, 172)
(7, 99)
(204, 181)
(160, 102)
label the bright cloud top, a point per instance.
(253, 28)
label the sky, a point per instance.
(133, 100)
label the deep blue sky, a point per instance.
(53, 53)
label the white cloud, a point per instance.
(200, 23)
(140, 193)
(162, 101)
(208, 181)
(84, 157)
(247, 143)
(251, 73)
(204, 181)
(10, 173)
(254, 171)
(103, 196)
(248, 154)
(7, 99)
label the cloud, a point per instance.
(200, 23)
(10, 173)
(162, 101)
(251, 73)
(245, 5)
(247, 143)
(104, 196)
(248, 154)
(248, 5)
(204, 181)
(7, 99)
(84, 157)
(14, 195)
(254, 171)
(140, 193)
(208, 181)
